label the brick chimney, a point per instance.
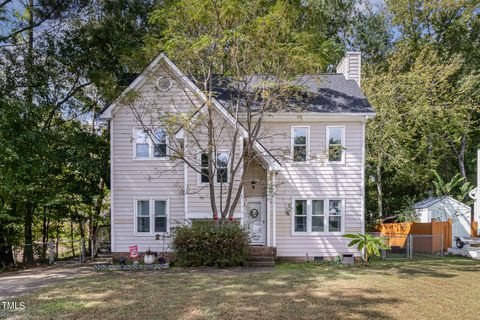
(351, 66)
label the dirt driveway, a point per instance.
(14, 284)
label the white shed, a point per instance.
(442, 209)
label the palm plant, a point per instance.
(370, 243)
(457, 187)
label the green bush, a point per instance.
(209, 244)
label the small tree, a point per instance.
(251, 51)
(371, 244)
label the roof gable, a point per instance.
(108, 112)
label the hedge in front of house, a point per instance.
(210, 244)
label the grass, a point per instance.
(430, 289)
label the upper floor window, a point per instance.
(222, 167)
(336, 144)
(204, 177)
(221, 173)
(300, 143)
(151, 216)
(317, 215)
(150, 144)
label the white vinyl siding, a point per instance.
(317, 179)
(313, 179)
(140, 179)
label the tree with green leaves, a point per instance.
(236, 41)
(423, 92)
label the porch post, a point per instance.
(268, 207)
(242, 195)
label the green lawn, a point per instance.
(432, 289)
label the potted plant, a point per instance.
(149, 257)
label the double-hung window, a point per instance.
(311, 216)
(221, 168)
(204, 177)
(336, 144)
(300, 219)
(318, 216)
(150, 144)
(160, 216)
(143, 216)
(334, 215)
(151, 216)
(300, 143)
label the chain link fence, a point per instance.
(426, 246)
(66, 251)
(412, 246)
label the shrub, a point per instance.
(210, 244)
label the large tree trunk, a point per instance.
(379, 188)
(28, 245)
(6, 252)
(461, 157)
(71, 238)
(44, 235)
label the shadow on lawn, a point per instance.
(309, 291)
(210, 296)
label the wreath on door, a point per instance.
(253, 213)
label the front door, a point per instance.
(254, 219)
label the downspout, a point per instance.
(274, 213)
(112, 181)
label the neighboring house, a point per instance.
(302, 197)
(443, 209)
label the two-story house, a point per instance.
(306, 190)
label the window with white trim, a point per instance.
(335, 140)
(150, 145)
(300, 143)
(151, 216)
(222, 167)
(334, 215)
(300, 219)
(312, 216)
(318, 216)
(160, 216)
(204, 177)
(143, 216)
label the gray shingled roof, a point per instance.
(426, 203)
(326, 93)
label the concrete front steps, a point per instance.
(261, 256)
(104, 254)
